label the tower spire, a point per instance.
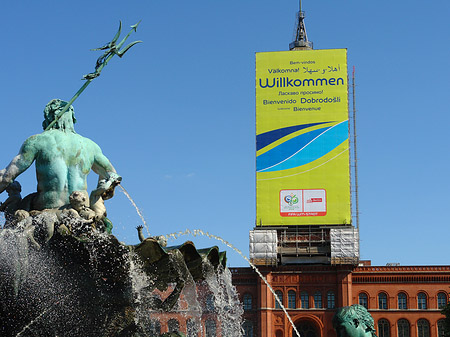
(301, 41)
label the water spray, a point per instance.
(197, 232)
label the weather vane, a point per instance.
(111, 49)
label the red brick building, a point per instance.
(403, 300)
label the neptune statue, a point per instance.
(63, 160)
(62, 272)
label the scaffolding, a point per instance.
(305, 245)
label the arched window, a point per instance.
(192, 328)
(440, 326)
(382, 301)
(383, 328)
(304, 297)
(292, 298)
(403, 328)
(210, 327)
(306, 329)
(442, 300)
(423, 328)
(363, 300)
(331, 300)
(248, 329)
(279, 294)
(173, 325)
(318, 300)
(247, 301)
(402, 301)
(421, 301)
(154, 328)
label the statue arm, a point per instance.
(108, 179)
(104, 169)
(18, 165)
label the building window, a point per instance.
(318, 300)
(421, 301)
(247, 301)
(210, 327)
(306, 329)
(440, 327)
(248, 329)
(304, 297)
(423, 328)
(154, 328)
(192, 328)
(382, 301)
(383, 328)
(363, 300)
(279, 294)
(442, 300)
(292, 299)
(402, 301)
(403, 328)
(331, 301)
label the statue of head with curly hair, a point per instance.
(353, 321)
(65, 123)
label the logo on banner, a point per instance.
(300, 203)
(291, 199)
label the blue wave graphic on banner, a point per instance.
(266, 138)
(302, 149)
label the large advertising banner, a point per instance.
(302, 146)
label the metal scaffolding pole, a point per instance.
(355, 156)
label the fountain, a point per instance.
(63, 272)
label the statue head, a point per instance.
(79, 199)
(353, 321)
(66, 122)
(21, 215)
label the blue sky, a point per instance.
(176, 115)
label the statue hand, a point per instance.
(108, 185)
(114, 178)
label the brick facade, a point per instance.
(312, 293)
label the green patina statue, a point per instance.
(58, 258)
(353, 321)
(63, 160)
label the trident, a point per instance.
(111, 49)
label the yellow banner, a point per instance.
(302, 148)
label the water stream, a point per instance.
(137, 208)
(196, 232)
(228, 244)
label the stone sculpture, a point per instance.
(353, 321)
(12, 203)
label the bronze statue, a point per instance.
(12, 204)
(63, 160)
(78, 279)
(353, 321)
